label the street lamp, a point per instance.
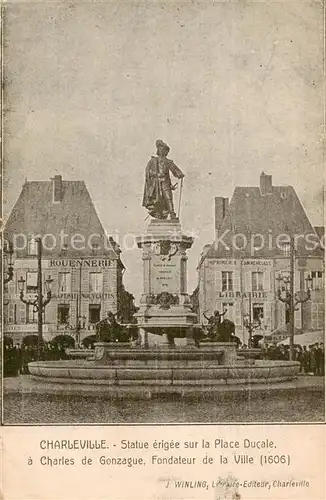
(48, 288)
(251, 326)
(287, 295)
(284, 294)
(39, 302)
(8, 252)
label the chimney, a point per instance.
(57, 189)
(266, 186)
(221, 207)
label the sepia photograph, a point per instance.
(163, 212)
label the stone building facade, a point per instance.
(84, 263)
(240, 271)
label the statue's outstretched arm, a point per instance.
(175, 170)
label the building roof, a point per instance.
(279, 212)
(71, 222)
(320, 230)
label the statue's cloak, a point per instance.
(152, 189)
(153, 198)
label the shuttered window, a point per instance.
(317, 316)
(95, 282)
(63, 314)
(31, 314)
(227, 281)
(317, 280)
(230, 312)
(64, 282)
(257, 281)
(258, 312)
(31, 282)
(11, 313)
(22, 313)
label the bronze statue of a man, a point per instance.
(158, 198)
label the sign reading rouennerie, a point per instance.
(80, 263)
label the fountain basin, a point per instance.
(176, 374)
(125, 370)
(248, 353)
(79, 353)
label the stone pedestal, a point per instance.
(166, 342)
(165, 307)
(190, 338)
(104, 352)
(229, 350)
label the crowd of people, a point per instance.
(311, 358)
(16, 357)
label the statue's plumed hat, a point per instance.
(162, 144)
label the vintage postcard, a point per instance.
(162, 250)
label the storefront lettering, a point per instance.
(71, 296)
(24, 328)
(97, 295)
(244, 295)
(244, 262)
(80, 263)
(257, 263)
(224, 262)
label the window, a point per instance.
(317, 280)
(64, 248)
(286, 248)
(257, 312)
(94, 312)
(31, 314)
(95, 282)
(317, 316)
(64, 282)
(257, 280)
(31, 282)
(283, 280)
(12, 313)
(63, 314)
(22, 313)
(32, 247)
(229, 307)
(227, 281)
(95, 248)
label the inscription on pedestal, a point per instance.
(166, 275)
(165, 304)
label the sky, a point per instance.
(235, 88)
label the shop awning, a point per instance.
(306, 338)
